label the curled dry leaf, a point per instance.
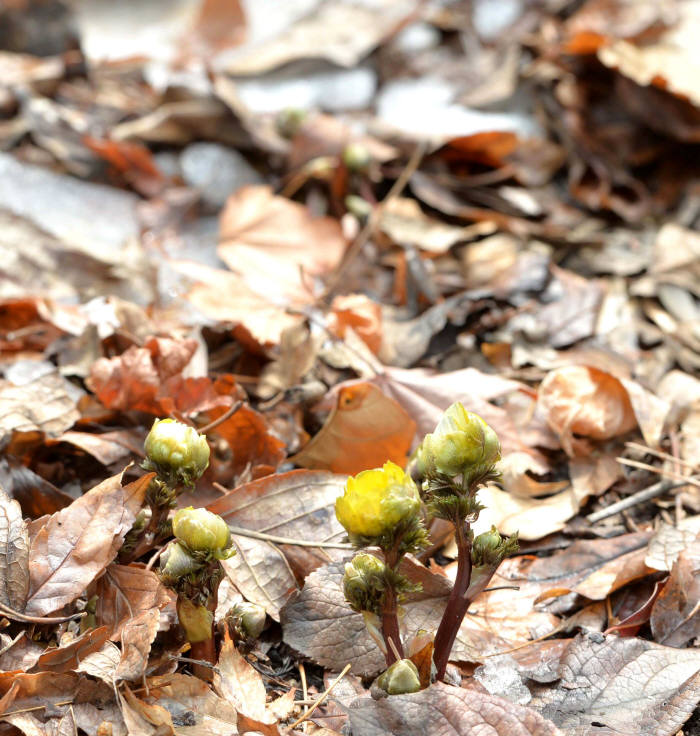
(14, 554)
(674, 618)
(137, 636)
(361, 314)
(622, 685)
(125, 592)
(78, 542)
(365, 429)
(442, 710)
(580, 400)
(68, 654)
(299, 504)
(669, 541)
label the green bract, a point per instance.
(461, 440)
(201, 531)
(375, 501)
(401, 677)
(177, 451)
(364, 583)
(176, 562)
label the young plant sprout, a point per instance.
(382, 508)
(191, 566)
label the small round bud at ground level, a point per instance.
(401, 677)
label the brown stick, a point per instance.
(457, 603)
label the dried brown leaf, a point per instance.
(442, 710)
(136, 637)
(68, 655)
(669, 541)
(78, 542)
(14, 554)
(365, 429)
(622, 685)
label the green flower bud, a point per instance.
(289, 121)
(176, 451)
(358, 206)
(201, 530)
(401, 677)
(248, 618)
(176, 563)
(356, 157)
(364, 583)
(376, 501)
(196, 620)
(461, 440)
(486, 547)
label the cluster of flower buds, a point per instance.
(176, 452)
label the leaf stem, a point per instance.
(457, 603)
(389, 614)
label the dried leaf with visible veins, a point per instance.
(67, 657)
(137, 636)
(443, 710)
(622, 685)
(14, 554)
(78, 542)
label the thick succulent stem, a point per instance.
(206, 652)
(389, 614)
(457, 603)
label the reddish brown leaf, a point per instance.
(365, 429)
(67, 656)
(137, 635)
(78, 542)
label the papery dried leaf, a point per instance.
(365, 429)
(103, 664)
(622, 686)
(585, 401)
(674, 618)
(144, 719)
(107, 448)
(137, 636)
(20, 653)
(67, 656)
(359, 313)
(299, 504)
(669, 541)
(274, 243)
(14, 554)
(35, 495)
(261, 573)
(78, 542)
(442, 710)
(126, 591)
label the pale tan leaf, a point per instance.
(14, 554)
(71, 650)
(669, 541)
(102, 664)
(137, 636)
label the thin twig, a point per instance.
(373, 221)
(37, 707)
(660, 454)
(658, 489)
(8, 612)
(690, 480)
(304, 716)
(220, 420)
(200, 662)
(287, 540)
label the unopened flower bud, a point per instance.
(201, 530)
(461, 440)
(196, 620)
(364, 583)
(176, 563)
(289, 121)
(248, 618)
(401, 677)
(486, 547)
(176, 451)
(376, 501)
(356, 157)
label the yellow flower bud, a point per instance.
(248, 618)
(176, 563)
(375, 501)
(356, 157)
(201, 531)
(460, 440)
(401, 677)
(175, 449)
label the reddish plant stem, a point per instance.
(457, 603)
(390, 618)
(205, 651)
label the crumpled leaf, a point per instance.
(622, 685)
(14, 554)
(136, 636)
(299, 504)
(275, 243)
(68, 655)
(669, 541)
(124, 592)
(241, 685)
(443, 710)
(674, 617)
(78, 542)
(365, 429)
(580, 400)
(46, 404)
